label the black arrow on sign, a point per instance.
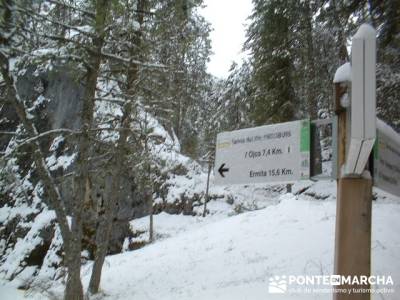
(222, 170)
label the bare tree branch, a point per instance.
(89, 13)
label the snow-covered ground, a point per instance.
(228, 256)
(8, 292)
(233, 258)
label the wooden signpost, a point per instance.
(356, 135)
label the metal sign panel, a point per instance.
(362, 127)
(272, 153)
(387, 161)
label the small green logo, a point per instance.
(305, 136)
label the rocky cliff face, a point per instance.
(30, 243)
(54, 98)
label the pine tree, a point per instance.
(180, 41)
(269, 39)
(385, 16)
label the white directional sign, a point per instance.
(387, 159)
(272, 153)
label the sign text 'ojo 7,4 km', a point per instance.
(272, 153)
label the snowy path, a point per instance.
(234, 257)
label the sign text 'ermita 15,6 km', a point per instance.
(271, 153)
(387, 159)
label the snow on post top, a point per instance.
(343, 73)
(365, 32)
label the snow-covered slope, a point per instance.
(233, 257)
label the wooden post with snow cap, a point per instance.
(356, 136)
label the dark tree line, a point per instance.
(294, 50)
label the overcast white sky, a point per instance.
(227, 17)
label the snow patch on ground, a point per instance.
(10, 291)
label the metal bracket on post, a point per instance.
(314, 130)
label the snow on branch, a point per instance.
(33, 139)
(49, 132)
(39, 17)
(89, 13)
(8, 133)
(131, 60)
(112, 100)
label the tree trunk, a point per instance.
(341, 36)
(312, 92)
(54, 199)
(148, 194)
(207, 187)
(149, 200)
(151, 224)
(82, 177)
(102, 237)
(105, 224)
(74, 289)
